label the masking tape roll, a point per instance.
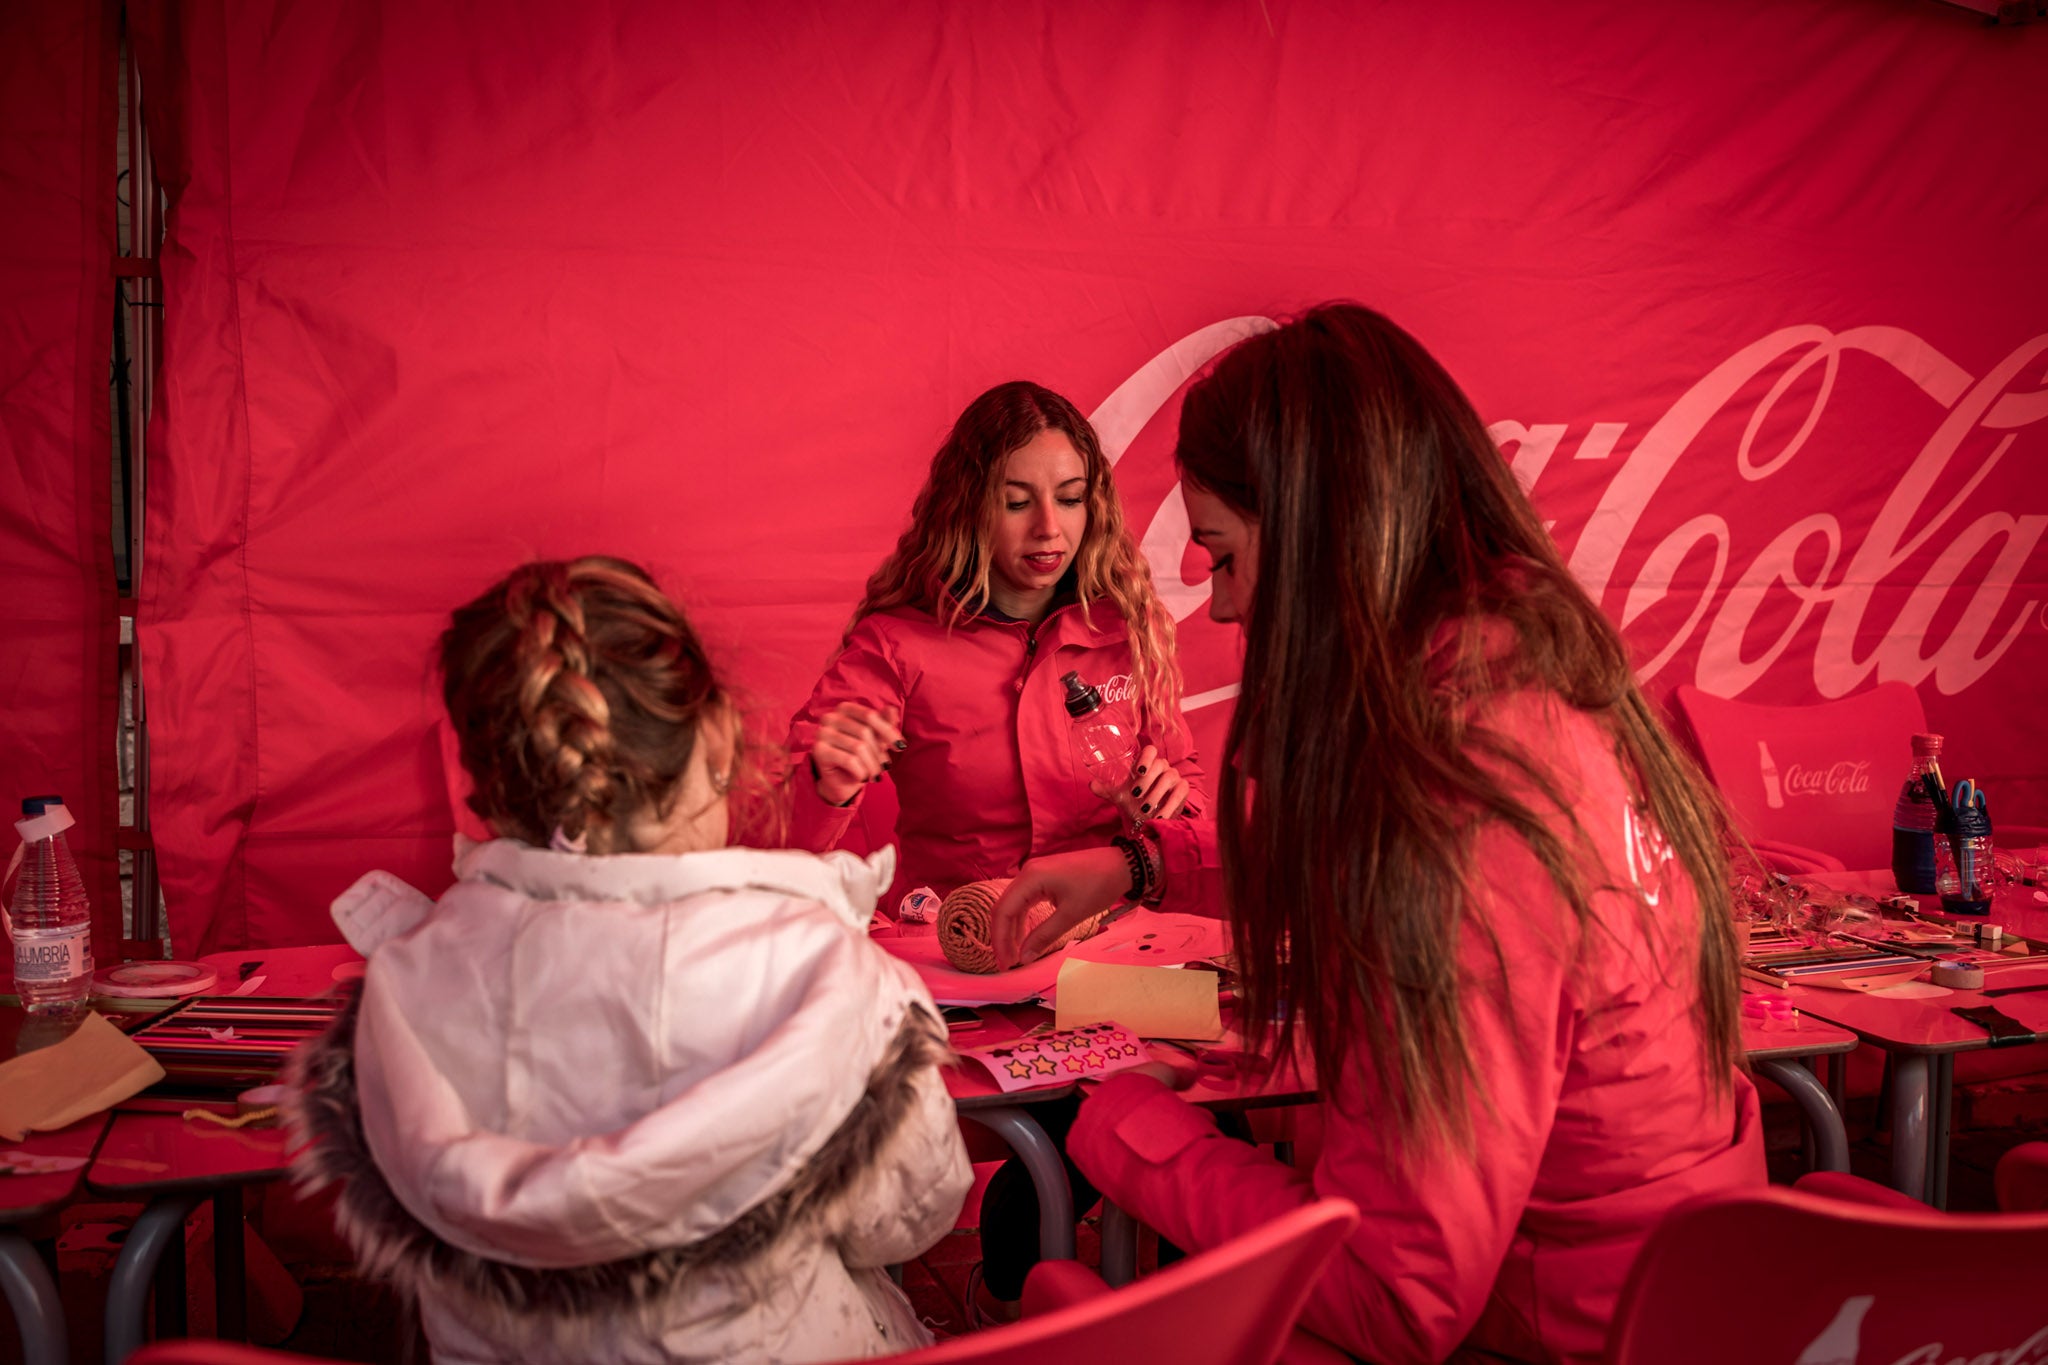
(154, 980)
(1960, 976)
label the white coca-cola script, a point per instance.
(1844, 574)
(1837, 779)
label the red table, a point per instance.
(31, 1292)
(153, 1153)
(1922, 1036)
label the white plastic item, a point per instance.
(50, 922)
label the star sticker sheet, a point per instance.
(1060, 1057)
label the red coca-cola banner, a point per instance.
(1749, 290)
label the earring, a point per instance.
(722, 782)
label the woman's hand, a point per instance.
(1078, 884)
(855, 745)
(1156, 790)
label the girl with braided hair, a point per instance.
(624, 1093)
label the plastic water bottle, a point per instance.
(1913, 819)
(52, 924)
(1104, 740)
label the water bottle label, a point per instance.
(45, 959)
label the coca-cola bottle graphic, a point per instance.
(1774, 794)
(1913, 817)
(1839, 1341)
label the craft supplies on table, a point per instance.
(221, 1043)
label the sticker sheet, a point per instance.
(1061, 1056)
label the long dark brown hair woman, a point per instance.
(1468, 874)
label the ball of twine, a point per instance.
(967, 916)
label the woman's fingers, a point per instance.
(1006, 921)
(1052, 929)
(858, 740)
(1079, 884)
(1168, 803)
(1158, 794)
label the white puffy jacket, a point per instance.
(637, 1108)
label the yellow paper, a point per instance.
(95, 1068)
(1152, 1002)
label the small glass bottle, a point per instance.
(1913, 820)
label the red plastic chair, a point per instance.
(1233, 1305)
(1785, 1275)
(1817, 781)
(2022, 1178)
(204, 1351)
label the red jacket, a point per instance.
(990, 778)
(1600, 1116)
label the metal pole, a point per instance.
(145, 314)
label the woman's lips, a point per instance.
(1045, 563)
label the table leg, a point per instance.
(1119, 1246)
(1048, 1175)
(230, 1266)
(1909, 1123)
(32, 1295)
(1824, 1126)
(162, 1224)
(1943, 1122)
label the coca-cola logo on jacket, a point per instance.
(1926, 590)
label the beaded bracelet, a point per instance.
(1135, 859)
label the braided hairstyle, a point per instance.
(577, 691)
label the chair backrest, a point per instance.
(1824, 777)
(1773, 1274)
(1234, 1305)
(205, 1351)
(2022, 1178)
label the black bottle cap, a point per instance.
(32, 806)
(1081, 698)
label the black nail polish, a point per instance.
(1141, 770)
(900, 745)
(1144, 808)
(1137, 791)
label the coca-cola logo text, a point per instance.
(1870, 621)
(1837, 779)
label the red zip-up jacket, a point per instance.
(990, 777)
(1597, 1118)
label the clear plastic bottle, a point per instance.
(1105, 742)
(1962, 853)
(1913, 818)
(52, 924)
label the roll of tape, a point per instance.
(1960, 976)
(154, 980)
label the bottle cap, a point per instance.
(1081, 698)
(32, 806)
(1927, 746)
